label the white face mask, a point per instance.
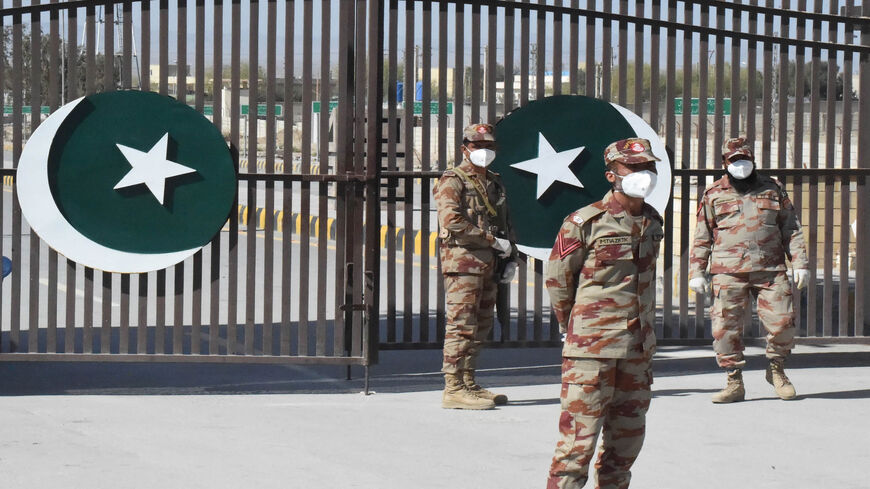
(638, 184)
(481, 157)
(741, 168)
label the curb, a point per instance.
(278, 220)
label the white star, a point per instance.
(551, 166)
(151, 168)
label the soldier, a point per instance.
(476, 253)
(746, 228)
(601, 281)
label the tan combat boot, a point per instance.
(776, 377)
(471, 385)
(732, 392)
(456, 396)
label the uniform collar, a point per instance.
(614, 208)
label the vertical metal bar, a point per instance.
(373, 170)
(305, 194)
(843, 310)
(538, 321)
(736, 61)
(540, 53)
(440, 316)
(573, 50)
(862, 265)
(812, 229)
(409, 95)
(35, 106)
(252, 155)
(72, 57)
(557, 50)
(798, 144)
(751, 66)
(127, 47)
(108, 86)
(767, 94)
(90, 88)
(591, 67)
(830, 155)
(233, 235)
(622, 47)
(639, 59)
(719, 122)
(323, 189)
(145, 84)
(215, 249)
(199, 101)
(701, 138)
(181, 95)
(425, 163)
(356, 213)
(392, 137)
(474, 61)
(163, 48)
(524, 53)
(54, 88)
(671, 329)
(491, 62)
(685, 162)
(287, 189)
(3, 40)
(269, 226)
(458, 83)
(17, 140)
(782, 95)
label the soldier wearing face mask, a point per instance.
(601, 281)
(746, 228)
(477, 252)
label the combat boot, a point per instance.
(732, 392)
(456, 396)
(776, 377)
(471, 385)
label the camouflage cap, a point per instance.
(479, 132)
(736, 146)
(631, 151)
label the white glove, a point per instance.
(801, 277)
(503, 246)
(564, 335)
(700, 285)
(509, 270)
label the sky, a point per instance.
(449, 30)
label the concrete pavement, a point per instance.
(70, 425)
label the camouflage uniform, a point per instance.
(468, 260)
(601, 281)
(744, 238)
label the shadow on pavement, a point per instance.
(398, 371)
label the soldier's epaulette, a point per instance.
(586, 214)
(714, 185)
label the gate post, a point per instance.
(862, 265)
(374, 116)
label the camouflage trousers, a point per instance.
(731, 295)
(606, 395)
(470, 310)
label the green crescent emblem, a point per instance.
(551, 160)
(126, 181)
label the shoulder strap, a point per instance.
(479, 188)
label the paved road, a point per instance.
(224, 426)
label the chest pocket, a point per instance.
(727, 213)
(614, 259)
(768, 209)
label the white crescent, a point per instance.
(44, 218)
(661, 193)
